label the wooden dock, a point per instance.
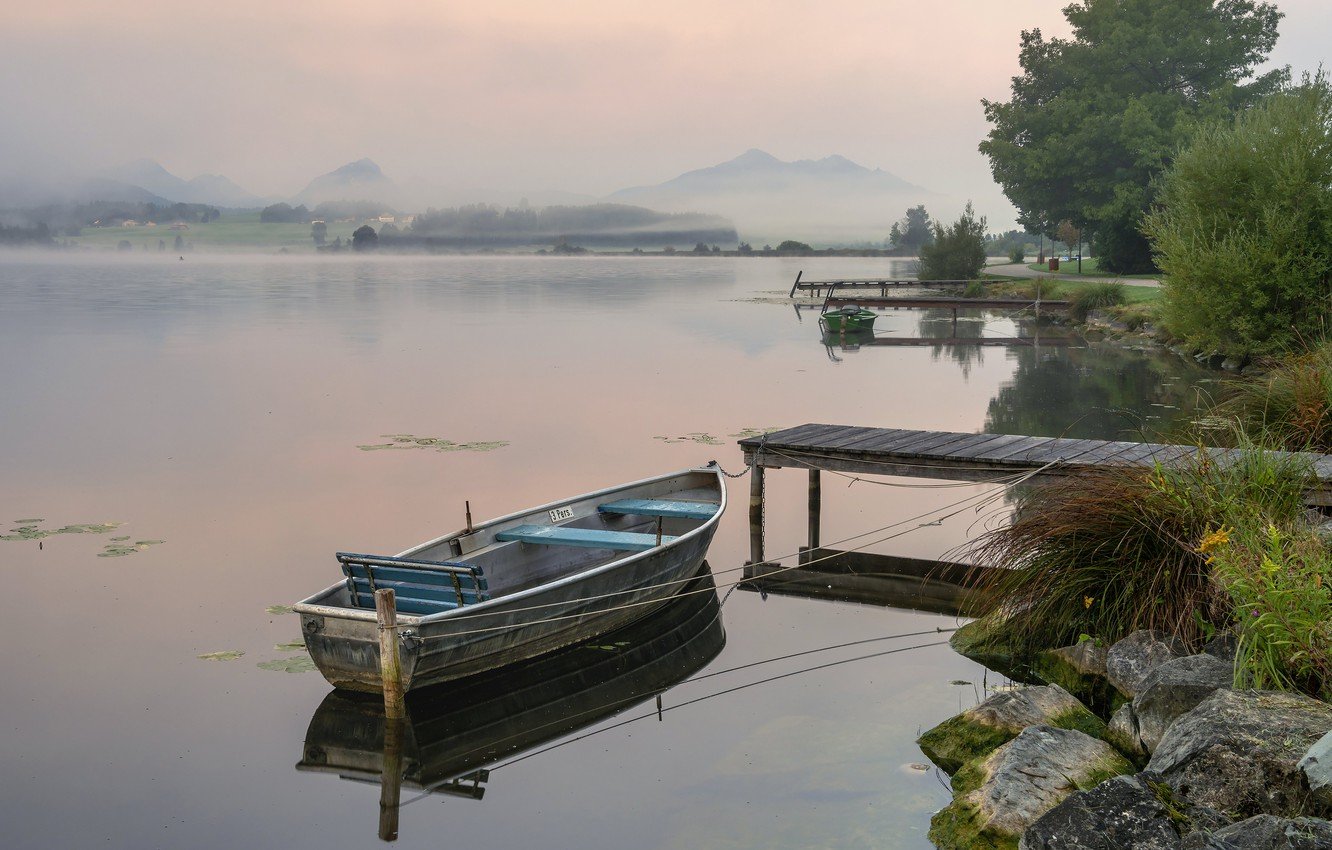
(817, 288)
(951, 456)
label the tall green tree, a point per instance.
(1244, 228)
(956, 252)
(913, 231)
(1094, 118)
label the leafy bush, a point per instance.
(1093, 297)
(1278, 583)
(793, 245)
(1017, 254)
(957, 252)
(1107, 551)
(1244, 228)
(974, 289)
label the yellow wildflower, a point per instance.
(1214, 540)
(1087, 601)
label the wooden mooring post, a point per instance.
(756, 514)
(390, 778)
(815, 507)
(390, 664)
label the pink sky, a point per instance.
(583, 96)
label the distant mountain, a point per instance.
(361, 180)
(831, 198)
(205, 189)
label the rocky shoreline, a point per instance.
(1183, 761)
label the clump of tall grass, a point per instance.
(1290, 405)
(1106, 551)
(1096, 296)
(1278, 581)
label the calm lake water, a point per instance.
(218, 405)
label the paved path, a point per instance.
(1021, 270)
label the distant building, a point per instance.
(386, 219)
(129, 222)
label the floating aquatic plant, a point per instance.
(121, 549)
(280, 609)
(294, 646)
(295, 664)
(408, 441)
(29, 529)
(746, 433)
(706, 439)
(700, 437)
(224, 655)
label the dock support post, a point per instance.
(390, 665)
(815, 507)
(756, 513)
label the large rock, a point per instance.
(987, 642)
(1173, 689)
(1266, 832)
(1130, 660)
(1317, 769)
(1080, 670)
(1238, 752)
(1122, 733)
(1121, 812)
(999, 797)
(977, 731)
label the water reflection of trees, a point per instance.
(938, 323)
(1101, 392)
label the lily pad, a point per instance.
(700, 437)
(120, 550)
(294, 646)
(295, 664)
(28, 529)
(224, 655)
(119, 539)
(746, 433)
(409, 441)
(280, 609)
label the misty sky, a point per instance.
(583, 96)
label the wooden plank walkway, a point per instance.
(817, 287)
(875, 302)
(959, 456)
(950, 455)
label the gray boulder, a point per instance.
(1080, 670)
(1317, 769)
(977, 731)
(1238, 752)
(1122, 733)
(1173, 689)
(1223, 646)
(1121, 812)
(997, 798)
(1265, 832)
(1130, 660)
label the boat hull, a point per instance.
(837, 320)
(344, 644)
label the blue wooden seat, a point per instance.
(592, 538)
(419, 587)
(674, 508)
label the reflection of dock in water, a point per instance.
(852, 339)
(939, 587)
(454, 732)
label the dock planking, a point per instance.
(962, 456)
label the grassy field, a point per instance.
(1090, 268)
(234, 232)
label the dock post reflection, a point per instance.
(390, 778)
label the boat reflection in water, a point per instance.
(452, 732)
